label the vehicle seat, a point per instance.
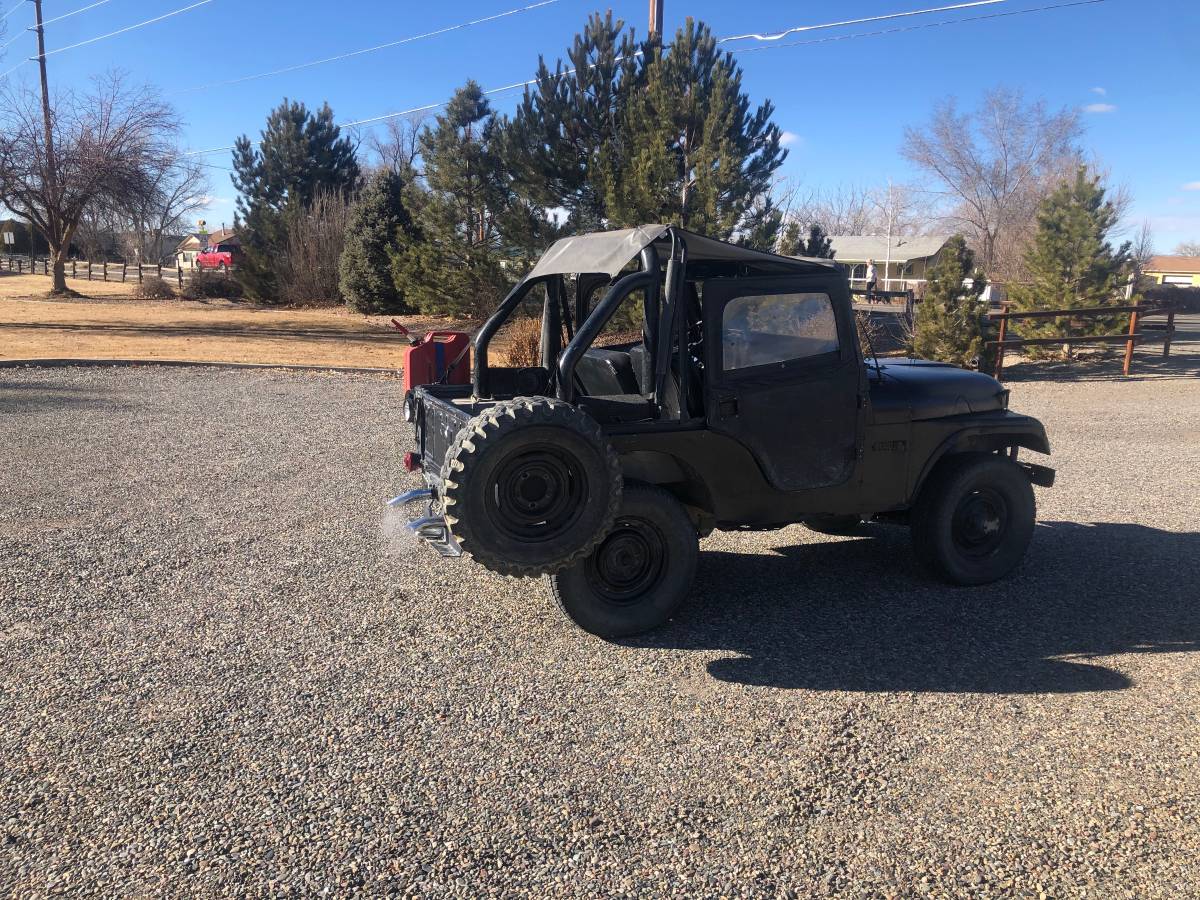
(604, 373)
(670, 400)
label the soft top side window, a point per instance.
(761, 330)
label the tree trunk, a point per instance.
(58, 257)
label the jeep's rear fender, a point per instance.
(934, 440)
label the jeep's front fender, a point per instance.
(973, 434)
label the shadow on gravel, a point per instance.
(857, 615)
(40, 396)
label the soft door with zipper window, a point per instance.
(785, 375)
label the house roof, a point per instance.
(1180, 265)
(190, 241)
(862, 247)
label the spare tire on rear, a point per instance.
(530, 486)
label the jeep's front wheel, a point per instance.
(639, 574)
(974, 519)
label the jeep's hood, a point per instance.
(919, 389)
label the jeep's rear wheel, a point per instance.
(530, 486)
(974, 519)
(639, 574)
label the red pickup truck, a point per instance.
(221, 257)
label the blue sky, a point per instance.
(1133, 65)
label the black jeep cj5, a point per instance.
(746, 405)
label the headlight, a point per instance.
(410, 409)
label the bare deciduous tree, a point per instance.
(174, 187)
(1142, 249)
(398, 147)
(994, 165)
(859, 209)
(1188, 248)
(316, 236)
(105, 141)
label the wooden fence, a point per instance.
(85, 270)
(1137, 313)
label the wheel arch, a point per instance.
(671, 473)
(984, 439)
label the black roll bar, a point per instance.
(647, 279)
(479, 376)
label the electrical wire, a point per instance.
(127, 28)
(12, 40)
(900, 15)
(75, 12)
(883, 31)
(520, 84)
(364, 50)
(20, 3)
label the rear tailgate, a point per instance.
(437, 421)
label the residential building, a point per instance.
(900, 267)
(1181, 271)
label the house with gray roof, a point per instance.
(900, 264)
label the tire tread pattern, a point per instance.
(493, 424)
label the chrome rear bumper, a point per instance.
(431, 527)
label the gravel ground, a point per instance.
(225, 675)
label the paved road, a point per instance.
(224, 674)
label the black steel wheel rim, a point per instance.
(980, 524)
(537, 494)
(629, 563)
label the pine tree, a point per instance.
(559, 142)
(299, 154)
(950, 323)
(461, 264)
(377, 220)
(1071, 263)
(817, 245)
(690, 150)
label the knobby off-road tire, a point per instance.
(636, 579)
(530, 486)
(844, 526)
(974, 519)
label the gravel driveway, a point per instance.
(224, 674)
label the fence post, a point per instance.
(124, 266)
(1133, 320)
(179, 275)
(104, 270)
(89, 262)
(139, 271)
(160, 270)
(72, 268)
(1170, 331)
(1000, 347)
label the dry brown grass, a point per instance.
(523, 342)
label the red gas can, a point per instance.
(426, 362)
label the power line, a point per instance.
(883, 31)
(73, 12)
(20, 3)
(16, 37)
(915, 12)
(567, 72)
(174, 12)
(353, 53)
(76, 12)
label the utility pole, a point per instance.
(51, 169)
(656, 18)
